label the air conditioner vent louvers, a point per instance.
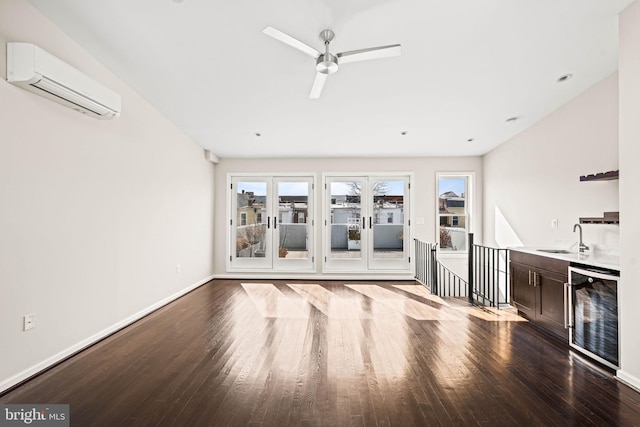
(71, 96)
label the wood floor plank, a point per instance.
(315, 353)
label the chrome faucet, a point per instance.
(581, 247)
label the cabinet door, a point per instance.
(523, 294)
(550, 306)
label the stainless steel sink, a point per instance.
(555, 251)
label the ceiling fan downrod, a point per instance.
(327, 63)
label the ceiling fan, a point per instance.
(326, 63)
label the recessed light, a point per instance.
(404, 132)
(564, 78)
(511, 120)
(257, 134)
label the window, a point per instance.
(243, 218)
(390, 218)
(453, 194)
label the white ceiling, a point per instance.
(466, 67)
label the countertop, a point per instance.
(594, 259)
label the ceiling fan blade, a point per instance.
(318, 84)
(369, 53)
(287, 39)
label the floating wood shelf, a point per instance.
(608, 218)
(603, 176)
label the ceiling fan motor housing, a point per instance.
(327, 63)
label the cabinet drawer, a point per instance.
(540, 262)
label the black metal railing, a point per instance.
(449, 283)
(488, 274)
(435, 276)
(426, 270)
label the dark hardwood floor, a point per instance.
(287, 353)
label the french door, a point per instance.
(367, 223)
(271, 223)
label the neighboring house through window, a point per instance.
(454, 211)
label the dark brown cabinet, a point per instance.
(538, 290)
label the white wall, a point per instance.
(424, 188)
(629, 200)
(534, 177)
(95, 214)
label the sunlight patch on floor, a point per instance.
(407, 306)
(332, 305)
(271, 302)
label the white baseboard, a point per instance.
(33, 370)
(629, 379)
(313, 276)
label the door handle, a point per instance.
(275, 223)
(364, 223)
(535, 279)
(529, 277)
(370, 226)
(268, 222)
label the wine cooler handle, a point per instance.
(568, 306)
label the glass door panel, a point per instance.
(388, 224)
(250, 236)
(345, 234)
(292, 223)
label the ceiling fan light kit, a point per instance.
(327, 63)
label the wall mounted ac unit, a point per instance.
(33, 69)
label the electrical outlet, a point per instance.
(554, 223)
(28, 322)
(178, 268)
